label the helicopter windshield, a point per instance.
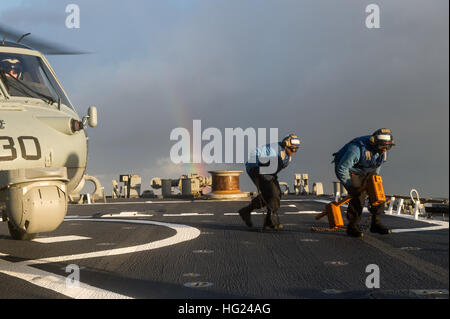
(28, 76)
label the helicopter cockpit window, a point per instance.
(28, 76)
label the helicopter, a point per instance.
(43, 143)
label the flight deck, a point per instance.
(201, 249)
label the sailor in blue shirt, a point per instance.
(264, 163)
(354, 163)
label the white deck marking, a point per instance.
(137, 203)
(307, 200)
(22, 270)
(54, 282)
(125, 215)
(59, 239)
(167, 202)
(302, 212)
(200, 201)
(184, 233)
(237, 214)
(439, 225)
(187, 214)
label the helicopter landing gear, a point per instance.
(18, 234)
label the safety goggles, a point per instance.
(385, 146)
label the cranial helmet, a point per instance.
(382, 139)
(292, 142)
(11, 64)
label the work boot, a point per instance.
(270, 224)
(245, 215)
(354, 231)
(378, 227)
(353, 220)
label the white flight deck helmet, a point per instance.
(382, 139)
(292, 142)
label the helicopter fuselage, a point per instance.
(43, 147)
(36, 137)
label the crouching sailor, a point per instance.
(264, 164)
(354, 163)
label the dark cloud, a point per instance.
(309, 67)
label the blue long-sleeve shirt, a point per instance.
(349, 160)
(347, 165)
(261, 158)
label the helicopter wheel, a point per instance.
(18, 234)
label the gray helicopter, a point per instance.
(43, 144)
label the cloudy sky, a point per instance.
(307, 67)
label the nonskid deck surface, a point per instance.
(183, 249)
